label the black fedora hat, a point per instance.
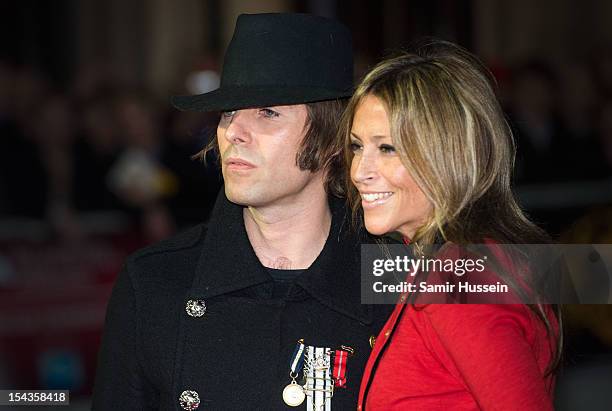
(279, 59)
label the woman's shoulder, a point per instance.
(495, 323)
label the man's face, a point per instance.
(258, 151)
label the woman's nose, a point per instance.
(363, 169)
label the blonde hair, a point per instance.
(452, 136)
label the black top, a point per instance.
(284, 276)
(284, 280)
(236, 355)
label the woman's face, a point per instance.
(390, 198)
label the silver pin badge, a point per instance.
(189, 400)
(195, 308)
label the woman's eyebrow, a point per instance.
(376, 137)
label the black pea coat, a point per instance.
(236, 356)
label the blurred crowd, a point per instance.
(561, 117)
(97, 145)
(89, 172)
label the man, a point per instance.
(261, 308)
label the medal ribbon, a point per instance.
(339, 372)
(297, 359)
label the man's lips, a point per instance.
(235, 163)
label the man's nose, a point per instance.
(237, 131)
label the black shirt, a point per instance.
(283, 281)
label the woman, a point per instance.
(430, 157)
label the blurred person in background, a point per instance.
(198, 184)
(38, 165)
(96, 79)
(55, 132)
(138, 177)
(22, 170)
(95, 152)
(579, 109)
(540, 137)
(579, 100)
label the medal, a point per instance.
(293, 394)
(323, 370)
(339, 373)
(321, 362)
(319, 385)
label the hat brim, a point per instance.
(234, 98)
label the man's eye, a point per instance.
(228, 114)
(355, 146)
(386, 148)
(269, 113)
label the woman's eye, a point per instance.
(269, 113)
(386, 148)
(355, 146)
(228, 114)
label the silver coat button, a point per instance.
(195, 308)
(189, 400)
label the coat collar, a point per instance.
(228, 263)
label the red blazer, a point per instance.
(460, 357)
